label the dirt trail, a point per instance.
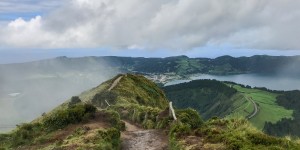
(135, 138)
(255, 109)
(115, 83)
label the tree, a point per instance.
(74, 100)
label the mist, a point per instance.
(27, 90)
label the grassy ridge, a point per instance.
(76, 125)
(230, 134)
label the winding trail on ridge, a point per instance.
(135, 138)
(255, 111)
(115, 83)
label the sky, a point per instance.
(39, 29)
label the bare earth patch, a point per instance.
(135, 138)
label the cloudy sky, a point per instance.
(37, 29)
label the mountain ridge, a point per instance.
(181, 65)
(90, 124)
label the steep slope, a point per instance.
(93, 120)
(214, 98)
(78, 126)
(209, 97)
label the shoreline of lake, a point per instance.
(273, 82)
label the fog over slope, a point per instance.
(27, 90)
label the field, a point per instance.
(268, 109)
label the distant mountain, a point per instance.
(131, 112)
(179, 64)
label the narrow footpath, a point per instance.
(115, 83)
(135, 138)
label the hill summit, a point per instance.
(129, 89)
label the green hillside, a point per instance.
(269, 109)
(209, 97)
(289, 100)
(89, 116)
(214, 98)
(129, 106)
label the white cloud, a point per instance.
(23, 6)
(134, 46)
(171, 24)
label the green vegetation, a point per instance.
(146, 116)
(78, 125)
(238, 134)
(139, 90)
(47, 134)
(131, 89)
(287, 126)
(209, 97)
(182, 65)
(188, 120)
(75, 114)
(139, 97)
(190, 117)
(74, 100)
(229, 133)
(269, 109)
(214, 98)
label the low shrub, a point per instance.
(26, 133)
(101, 98)
(163, 123)
(263, 139)
(148, 124)
(180, 129)
(189, 116)
(137, 113)
(75, 114)
(114, 119)
(74, 100)
(110, 136)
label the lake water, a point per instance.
(258, 80)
